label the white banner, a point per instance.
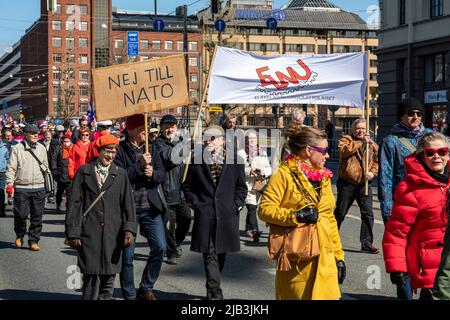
(329, 79)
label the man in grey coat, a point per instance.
(101, 219)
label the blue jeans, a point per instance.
(151, 227)
(404, 292)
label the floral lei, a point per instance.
(310, 173)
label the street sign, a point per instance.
(271, 23)
(333, 108)
(220, 25)
(133, 43)
(158, 25)
(215, 109)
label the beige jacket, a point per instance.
(23, 169)
(352, 161)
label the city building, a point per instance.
(414, 59)
(304, 27)
(245, 4)
(10, 81)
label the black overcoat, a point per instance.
(102, 230)
(216, 202)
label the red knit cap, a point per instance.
(135, 121)
(106, 140)
(67, 136)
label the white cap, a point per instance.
(105, 123)
(74, 123)
(60, 128)
(22, 125)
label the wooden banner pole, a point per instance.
(200, 110)
(146, 131)
(368, 145)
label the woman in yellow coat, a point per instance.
(281, 204)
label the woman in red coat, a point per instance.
(414, 234)
(81, 152)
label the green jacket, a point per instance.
(441, 290)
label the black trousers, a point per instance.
(29, 204)
(62, 186)
(177, 223)
(346, 195)
(213, 264)
(2, 202)
(251, 222)
(98, 287)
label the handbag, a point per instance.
(48, 178)
(299, 243)
(259, 185)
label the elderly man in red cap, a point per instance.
(146, 173)
(101, 219)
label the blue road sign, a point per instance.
(271, 23)
(133, 43)
(220, 25)
(158, 25)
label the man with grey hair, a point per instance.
(353, 151)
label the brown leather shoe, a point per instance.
(370, 249)
(34, 246)
(145, 295)
(19, 243)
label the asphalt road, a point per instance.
(249, 274)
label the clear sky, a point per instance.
(17, 16)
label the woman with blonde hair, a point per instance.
(298, 194)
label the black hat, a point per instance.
(30, 128)
(168, 118)
(409, 104)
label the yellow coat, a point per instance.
(316, 279)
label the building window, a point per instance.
(434, 68)
(345, 49)
(144, 44)
(83, 26)
(193, 61)
(168, 45)
(57, 57)
(373, 63)
(180, 46)
(70, 58)
(83, 9)
(83, 42)
(118, 43)
(143, 58)
(55, 90)
(373, 77)
(70, 42)
(255, 46)
(436, 8)
(118, 59)
(58, 8)
(156, 44)
(83, 58)
(70, 9)
(322, 49)
(193, 93)
(56, 42)
(84, 75)
(193, 46)
(402, 12)
(70, 25)
(84, 91)
(290, 47)
(274, 47)
(56, 74)
(56, 25)
(194, 77)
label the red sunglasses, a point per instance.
(442, 152)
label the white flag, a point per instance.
(328, 79)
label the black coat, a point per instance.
(216, 202)
(102, 230)
(59, 166)
(126, 158)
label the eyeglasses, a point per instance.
(412, 113)
(441, 152)
(322, 150)
(85, 135)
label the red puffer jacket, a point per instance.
(414, 234)
(80, 156)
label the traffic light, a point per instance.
(214, 6)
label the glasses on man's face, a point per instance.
(321, 150)
(441, 152)
(111, 152)
(417, 112)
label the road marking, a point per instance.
(358, 218)
(271, 271)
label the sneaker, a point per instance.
(370, 249)
(172, 260)
(256, 235)
(249, 234)
(19, 243)
(145, 295)
(34, 246)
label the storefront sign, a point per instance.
(436, 96)
(248, 14)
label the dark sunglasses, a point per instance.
(322, 150)
(85, 135)
(430, 152)
(412, 113)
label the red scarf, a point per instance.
(67, 151)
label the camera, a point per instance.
(307, 215)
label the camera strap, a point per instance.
(302, 188)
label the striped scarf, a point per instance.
(216, 165)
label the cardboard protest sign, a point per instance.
(140, 87)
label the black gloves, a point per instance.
(307, 215)
(397, 278)
(342, 271)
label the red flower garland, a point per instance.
(310, 173)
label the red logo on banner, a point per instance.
(292, 76)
